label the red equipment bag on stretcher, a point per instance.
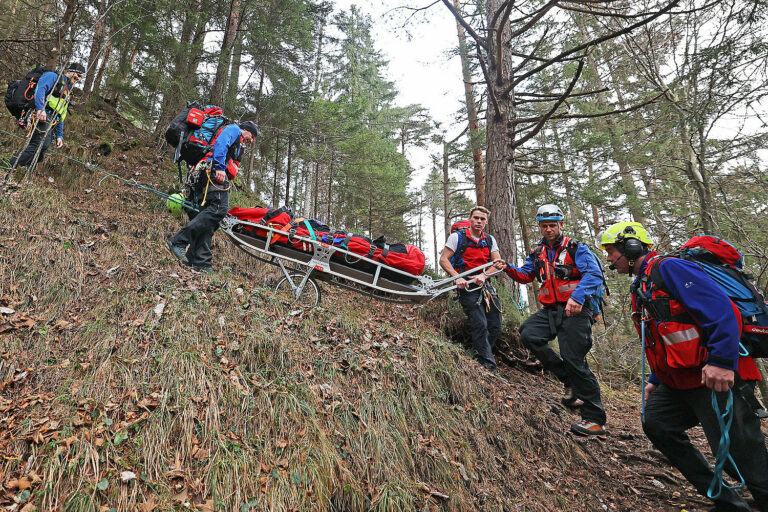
(249, 214)
(272, 217)
(356, 244)
(307, 228)
(407, 258)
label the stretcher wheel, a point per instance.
(310, 295)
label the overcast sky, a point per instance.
(422, 71)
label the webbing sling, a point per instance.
(309, 228)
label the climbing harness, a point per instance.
(724, 419)
(487, 297)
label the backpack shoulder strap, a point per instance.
(572, 246)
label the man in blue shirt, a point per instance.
(212, 188)
(571, 284)
(692, 334)
(52, 96)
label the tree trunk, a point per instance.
(99, 29)
(595, 216)
(618, 154)
(123, 69)
(434, 235)
(316, 190)
(475, 137)
(446, 192)
(528, 244)
(329, 199)
(288, 168)
(102, 66)
(59, 55)
(500, 172)
(275, 191)
(222, 68)
(183, 66)
(234, 74)
(574, 217)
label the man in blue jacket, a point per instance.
(212, 188)
(571, 283)
(52, 96)
(691, 331)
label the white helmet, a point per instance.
(550, 212)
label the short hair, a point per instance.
(480, 209)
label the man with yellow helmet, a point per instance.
(691, 331)
(571, 285)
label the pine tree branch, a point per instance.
(589, 44)
(566, 94)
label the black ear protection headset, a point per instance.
(630, 248)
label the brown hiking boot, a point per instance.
(587, 428)
(569, 399)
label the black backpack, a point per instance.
(20, 96)
(193, 141)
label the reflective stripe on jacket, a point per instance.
(675, 344)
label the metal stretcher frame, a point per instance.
(302, 267)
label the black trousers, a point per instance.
(196, 236)
(485, 325)
(24, 158)
(574, 335)
(670, 412)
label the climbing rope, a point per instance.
(132, 182)
(210, 183)
(724, 419)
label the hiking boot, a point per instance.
(569, 398)
(207, 270)
(176, 251)
(587, 428)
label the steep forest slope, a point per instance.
(128, 382)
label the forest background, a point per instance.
(652, 112)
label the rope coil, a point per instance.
(722, 457)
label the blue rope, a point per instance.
(724, 418)
(131, 182)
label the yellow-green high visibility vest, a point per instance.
(59, 105)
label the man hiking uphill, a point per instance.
(465, 249)
(691, 331)
(52, 96)
(571, 285)
(211, 188)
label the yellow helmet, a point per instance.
(621, 231)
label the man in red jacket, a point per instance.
(692, 331)
(469, 248)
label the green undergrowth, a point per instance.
(132, 383)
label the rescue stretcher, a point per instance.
(334, 265)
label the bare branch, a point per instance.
(524, 120)
(588, 44)
(456, 14)
(554, 108)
